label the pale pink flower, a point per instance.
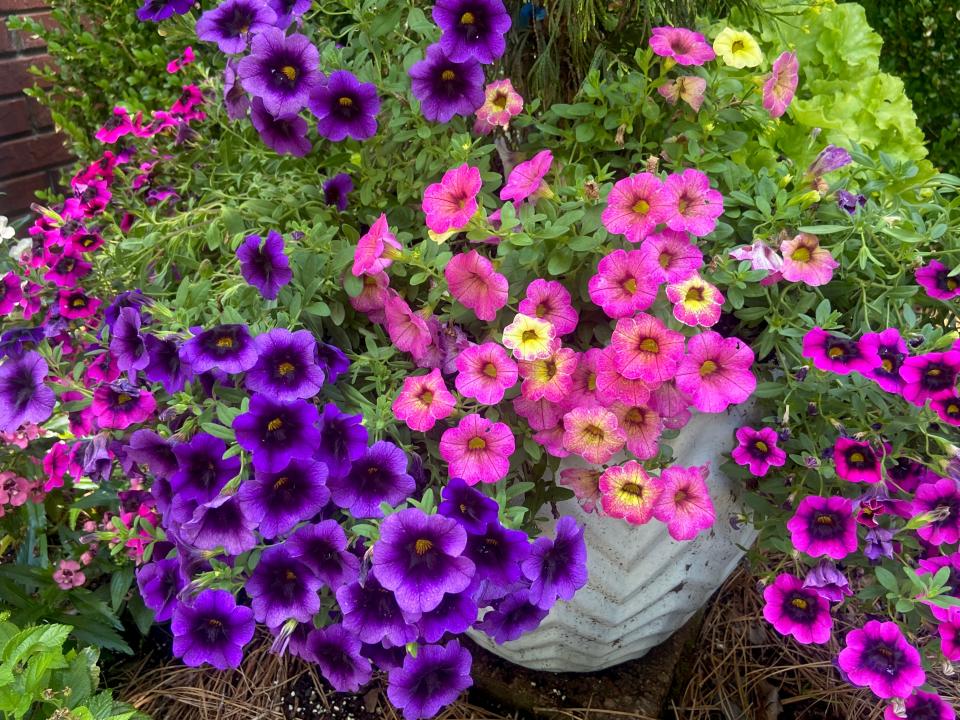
(760, 255)
(69, 575)
(501, 103)
(673, 253)
(780, 87)
(585, 484)
(692, 205)
(376, 250)
(539, 414)
(635, 206)
(684, 503)
(552, 441)
(550, 377)
(593, 434)
(472, 280)
(629, 492)
(407, 330)
(671, 404)
(805, 261)
(14, 490)
(643, 428)
(373, 297)
(583, 391)
(549, 300)
(689, 88)
(614, 386)
(477, 450)
(526, 179)
(450, 203)
(646, 349)
(695, 301)
(423, 400)
(485, 372)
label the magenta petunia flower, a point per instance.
(450, 203)
(472, 280)
(626, 282)
(684, 46)
(932, 376)
(423, 400)
(922, 706)
(550, 378)
(376, 249)
(584, 388)
(614, 385)
(478, 450)
(120, 405)
(805, 261)
(407, 330)
(824, 527)
(628, 492)
(593, 434)
(943, 496)
(716, 372)
(856, 461)
(949, 631)
(691, 204)
(645, 349)
(526, 179)
(373, 296)
(689, 88)
(684, 503)
(879, 657)
(758, 450)
(672, 405)
(695, 301)
(485, 372)
(935, 277)
(948, 409)
(549, 300)
(835, 354)
(781, 85)
(795, 610)
(892, 350)
(635, 206)
(642, 426)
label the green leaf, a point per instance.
(120, 582)
(219, 431)
(887, 579)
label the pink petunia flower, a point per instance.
(583, 390)
(614, 386)
(373, 297)
(716, 372)
(757, 450)
(549, 300)
(423, 400)
(805, 261)
(551, 440)
(485, 372)
(450, 203)
(628, 492)
(689, 88)
(593, 434)
(526, 179)
(760, 256)
(780, 87)
(472, 280)
(646, 349)
(673, 253)
(551, 377)
(530, 338)
(635, 206)
(695, 301)
(671, 404)
(685, 47)
(178, 63)
(56, 464)
(408, 331)
(501, 103)
(14, 490)
(625, 283)
(539, 414)
(585, 484)
(684, 503)
(69, 575)
(643, 428)
(692, 205)
(376, 250)
(477, 450)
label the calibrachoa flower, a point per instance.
(530, 338)
(642, 426)
(472, 280)
(423, 400)
(337, 652)
(119, 405)
(485, 372)
(628, 492)
(585, 484)
(849, 202)
(157, 10)
(758, 450)
(233, 21)
(379, 476)
(683, 46)
(513, 616)
(468, 506)
(935, 277)
(696, 302)
(277, 501)
(472, 29)
(160, 582)
(343, 439)
(824, 527)
(645, 349)
(737, 48)
(930, 377)
(212, 630)
(446, 88)
(11, 293)
(779, 88)
(549, 300)
(450, 203)
(690, 204)
(497, 552)
(673, 253)
(432, 679)
(220, 523)
(501, 103)
(879, 657)
(635, 206)
(336, 191)
(593, 433)
(370, 612)
(856, 461)
(805, 261)
(795, 610)
(949, 631)
(526, 179)
(922, 706)
(225, 347)
(376, 249)
(689, 88)
(550, 378)
(281, 70)
(557, 568)
(202, 471)
(286, 368)
(626, 282)
(282, 588)
(892, 350)
(286, 134)
(879, 544)
(477, 450)
(23, 396)
(948, 409)
(276, 432)
(828, 582)
(345, 107)
(127, 344)
(835, 354)
(684, 503)
(407, 330)
(943, 495)
(76, 304)
(830, 158)
(263, 263)
(761, 257)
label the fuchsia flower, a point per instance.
(935, 277)
(645, 349)
(178, 63)
(796, 610)
(450, 203)
(628, 492)
(688, 88)
(856, 461)
(584, 388)
(477, 450)
(549, 300)
(691, 204)
(942, 495)
(695, 301)
(501, 103)
(890, 350)
(407, 330)
(948, 409)
(11, 293)
(781, 85)
(671, 404)
(716, 372)
(805, 261)
(684, 503)
(14, 490)
(585, 484)
(930, 377)
(635, 206)
(922, 706)
(76, 304)
(758, 450)
(642, 426)
(879, 657)
(672, 251)
(552, 441)
(625, 283)
(530, 338)
(526, 179)
(539, 414)
(824, 527)
(949, 631)
(373, 297)
(69, 575)
(472, 280)
(550, 378)
(423, 400)
(593, 434)
(684, 46)
(835, 354)
(376, 250)
(613, 384)
(485, 372)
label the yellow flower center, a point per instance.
(824, 520)
(274, 424)
(448, 75)
(477, 443)
(542, 310)
(649, 345)
(594, 431)
(467, 19)
(592, 382)
(490, 370)
(835, 352)
(79, 302)
(641, 206)
(225, 342)
(934, 372)
(290, 575)
(289, 72)
(694, 294)
(500, 101)
(530, 336)
(887, 365)
(857, 457)
(426, 397)
(549, 369)
(801, 254)
(123, 399)
(708, 368)
(630, 286)
(214, 623)
(761, 446)
(280, 482)
(665, 260)
(632, 489)
(951, 283)
(953, 409)
(799, 603)
(423, 546)
(285, 368)
(345, 102)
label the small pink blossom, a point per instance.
(485, 373)
(695, 301)
(673, 253)
(646, 349)
(689, 88)
(671, 404)
(593, 434)
(613, 386)
(526, 179)
(684, 503)
(626, 282)
(407, 330)
(685, 47)
(376, 250)
(179, 63)
(805, 261)
(643, 428)
(760, 255)
(716, 372)
(501, 104)
(472, 280)
(539, 414)
(585, 484)
(781, 85)
(692, 205)
(635, 206)
(69, 575)
(423, 400)
(373, 297)
(549, 300)
(552, 441)
(477, 450)
(450, 203)
(550, 377)
(14, 490)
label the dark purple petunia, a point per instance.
(157, 10)
(23, 396)
(879, 657)
(472, 29)
(420, 557)
(277, 432)
(343, 439)
(165, 365)
(828, 582)
(159, 582)
(849, 202)
(281, 70)
(345, 107)
(202, 471)
(233, 21)
(336, 191)
(468, 506)
(226, 347)
(557, 568)
(152, 451)
(127, 344)
(278, 501)
(446, 88)
(289, 10)
(323, 547)
(331, 360)
(235, 99)
(371, 612)
(379, 476)
(287, 368)
(431, 680)
(220, 523)
(97, 460)
(263, 263)
(213, 630)
(497, 552)
(512, 617)
(282, 588)
(127, 299)
(337, 652)
(286, 134)
(17, 341)
(455, 614)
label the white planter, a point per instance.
(643, 585)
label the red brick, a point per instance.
(15, 75)
(17, 40)
(21, 156)
(16, 6)
(17, 194)
(14, 117)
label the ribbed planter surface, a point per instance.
(643, 585)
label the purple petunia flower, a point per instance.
(830, 158)
(849, 202)
(277, 432)
(233, 21)
(432, 679)
(795, 610)
(287, 368)
(286, 134)
(165, 365)
(497, 552)
(127, 299)
(828, 582)
(336, 191)
(371, 612)
(557, 568)
(420, 557)
(879, 544)
(15, 341)
(824, 526)
(343, 439)
(289, 10)
(513, 616)
(263, 263)
(879, 657)
(379, 476)
(337, 652)
(345, 107)
(472, 29)
(202, 471)
(157, 10)
(281, 70)
(225, 347)
(149, 449)
(331, 360)
(279, 500)
(235, 100)
(213, 630)
(446, 88)
(160, 582)
(127, 344)
(221, 522)
(97, 461)
(455, 614)
(23, 395)
(323, 548)
(468, 506)
(282, 588)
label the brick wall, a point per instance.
(30, 149)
